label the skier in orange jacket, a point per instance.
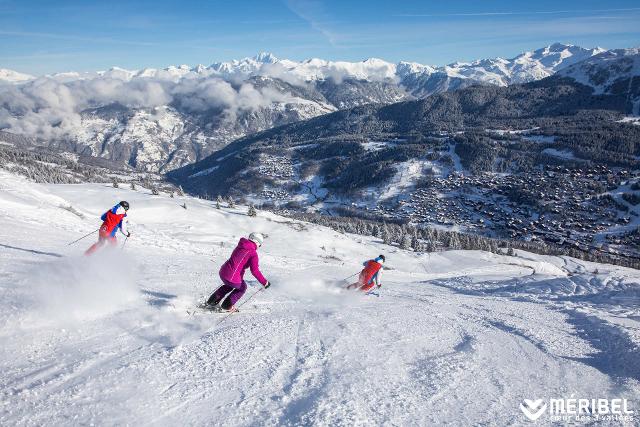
(370, 275)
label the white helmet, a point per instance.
(256, 238)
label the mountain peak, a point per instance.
(405, 68)
(265, 58)
(374, 61)
(559, 46)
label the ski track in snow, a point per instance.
(457, 338)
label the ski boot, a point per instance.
(231, 309)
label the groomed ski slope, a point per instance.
(456, 338)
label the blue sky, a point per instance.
(40, 37)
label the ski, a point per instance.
(213, 309)
(205, 309)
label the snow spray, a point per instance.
(84, 287)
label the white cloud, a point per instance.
(48, 108)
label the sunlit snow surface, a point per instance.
(456, 337)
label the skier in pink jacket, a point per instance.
(244, 256)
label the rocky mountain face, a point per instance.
(159, 120)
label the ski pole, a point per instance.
(246, 301)
(124, 243)
(347, 278)
(86, 235)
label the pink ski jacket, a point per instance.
(244, 256)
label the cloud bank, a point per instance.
(51, 107)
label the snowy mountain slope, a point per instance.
(611, 72)
(455, 337)
(602, 71)
(208, 107)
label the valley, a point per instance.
(553, 161)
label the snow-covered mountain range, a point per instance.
(161, 119)
(523, 68)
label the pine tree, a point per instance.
(154, 191)
(385, 236)
(180, 191)
(217, 204)
(252, 211)
(454, 242)
(146, 183)
(115, 183)
(133, 185)
(232, 204)
(171, 195)
(405, 241)
(415, 243)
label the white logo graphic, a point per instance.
(533, 409)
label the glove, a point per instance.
(128, 234)
(266, 285)
(379, 286)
